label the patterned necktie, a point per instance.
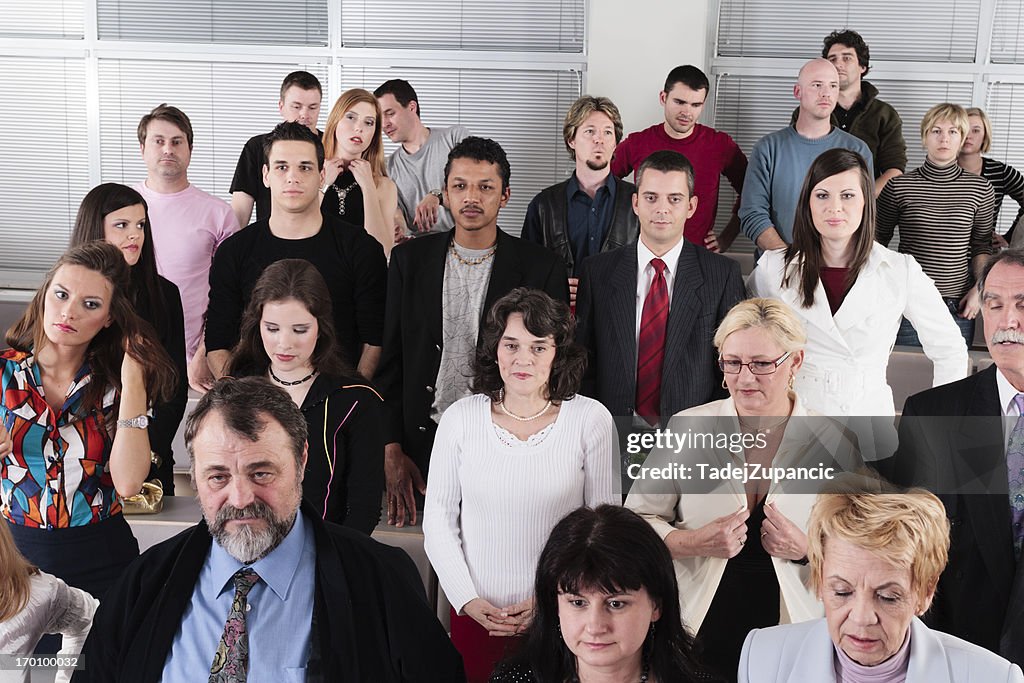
(1015, 469)
(651, 346)
(231, 662)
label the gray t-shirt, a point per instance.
(462, 300)
(416, 174)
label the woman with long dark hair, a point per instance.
(850, 294)
(288, 336)
(119, 215)
(606, 604)
(77, 383)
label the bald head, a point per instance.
(817, 68)
(817, 88)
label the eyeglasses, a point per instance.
(757, 367)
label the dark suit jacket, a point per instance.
(371, 620)
(961, 457)
(705, 287)
(412, 324)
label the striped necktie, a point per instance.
(231, 662)
(651, 346)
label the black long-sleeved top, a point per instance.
(1006, 181)
(345, 471)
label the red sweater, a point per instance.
(712, 153)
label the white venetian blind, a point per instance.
(47, 161)
(42, 19)
(514, 25)
(1004, 106)
(489, 102)
(1008, 32)
(255, 22)
(227, 103)
(908, 30)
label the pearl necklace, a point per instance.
(290, 384)
(520, 418)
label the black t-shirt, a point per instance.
(351, 262)
(248, 176)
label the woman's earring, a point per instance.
(724, 385)
(791, 380)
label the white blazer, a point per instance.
(674, 505)
(804, 652)
(846, 355)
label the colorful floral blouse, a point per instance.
(57, 476)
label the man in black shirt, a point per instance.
(350, 260)
(300, 102)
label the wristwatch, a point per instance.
(437, 193)
(139, 422)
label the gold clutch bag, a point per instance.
(148, 501)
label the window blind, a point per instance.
(48, 159)
(251, 22)
(1008, 32)
(42, 19)
(514, 25)
(909, 30)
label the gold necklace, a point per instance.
(473, 261)
(761, 430)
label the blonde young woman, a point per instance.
(356, 187)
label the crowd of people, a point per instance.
(374, 339)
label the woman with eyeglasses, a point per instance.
(739, 544)
(850, 293)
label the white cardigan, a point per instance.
(490, 506)
(667, 510)
(804, 652)
(846, 355)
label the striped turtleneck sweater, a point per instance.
(944, 216)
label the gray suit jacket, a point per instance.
(804, 652)
(705, 287)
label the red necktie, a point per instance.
(651, 346)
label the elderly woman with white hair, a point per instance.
(739, 545)
(875, 560)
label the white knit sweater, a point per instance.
(490, 506)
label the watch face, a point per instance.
(142, 421)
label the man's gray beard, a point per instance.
(594, 167)
(247, 544)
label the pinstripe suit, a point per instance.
(705, 287)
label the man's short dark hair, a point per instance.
(401, 90)
(850, 39)
(172, 115)
(480, 149)
(293, 130)
(303, 80)
(666, 161)
(690, 76)
(1013, 257)
(246, 404)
